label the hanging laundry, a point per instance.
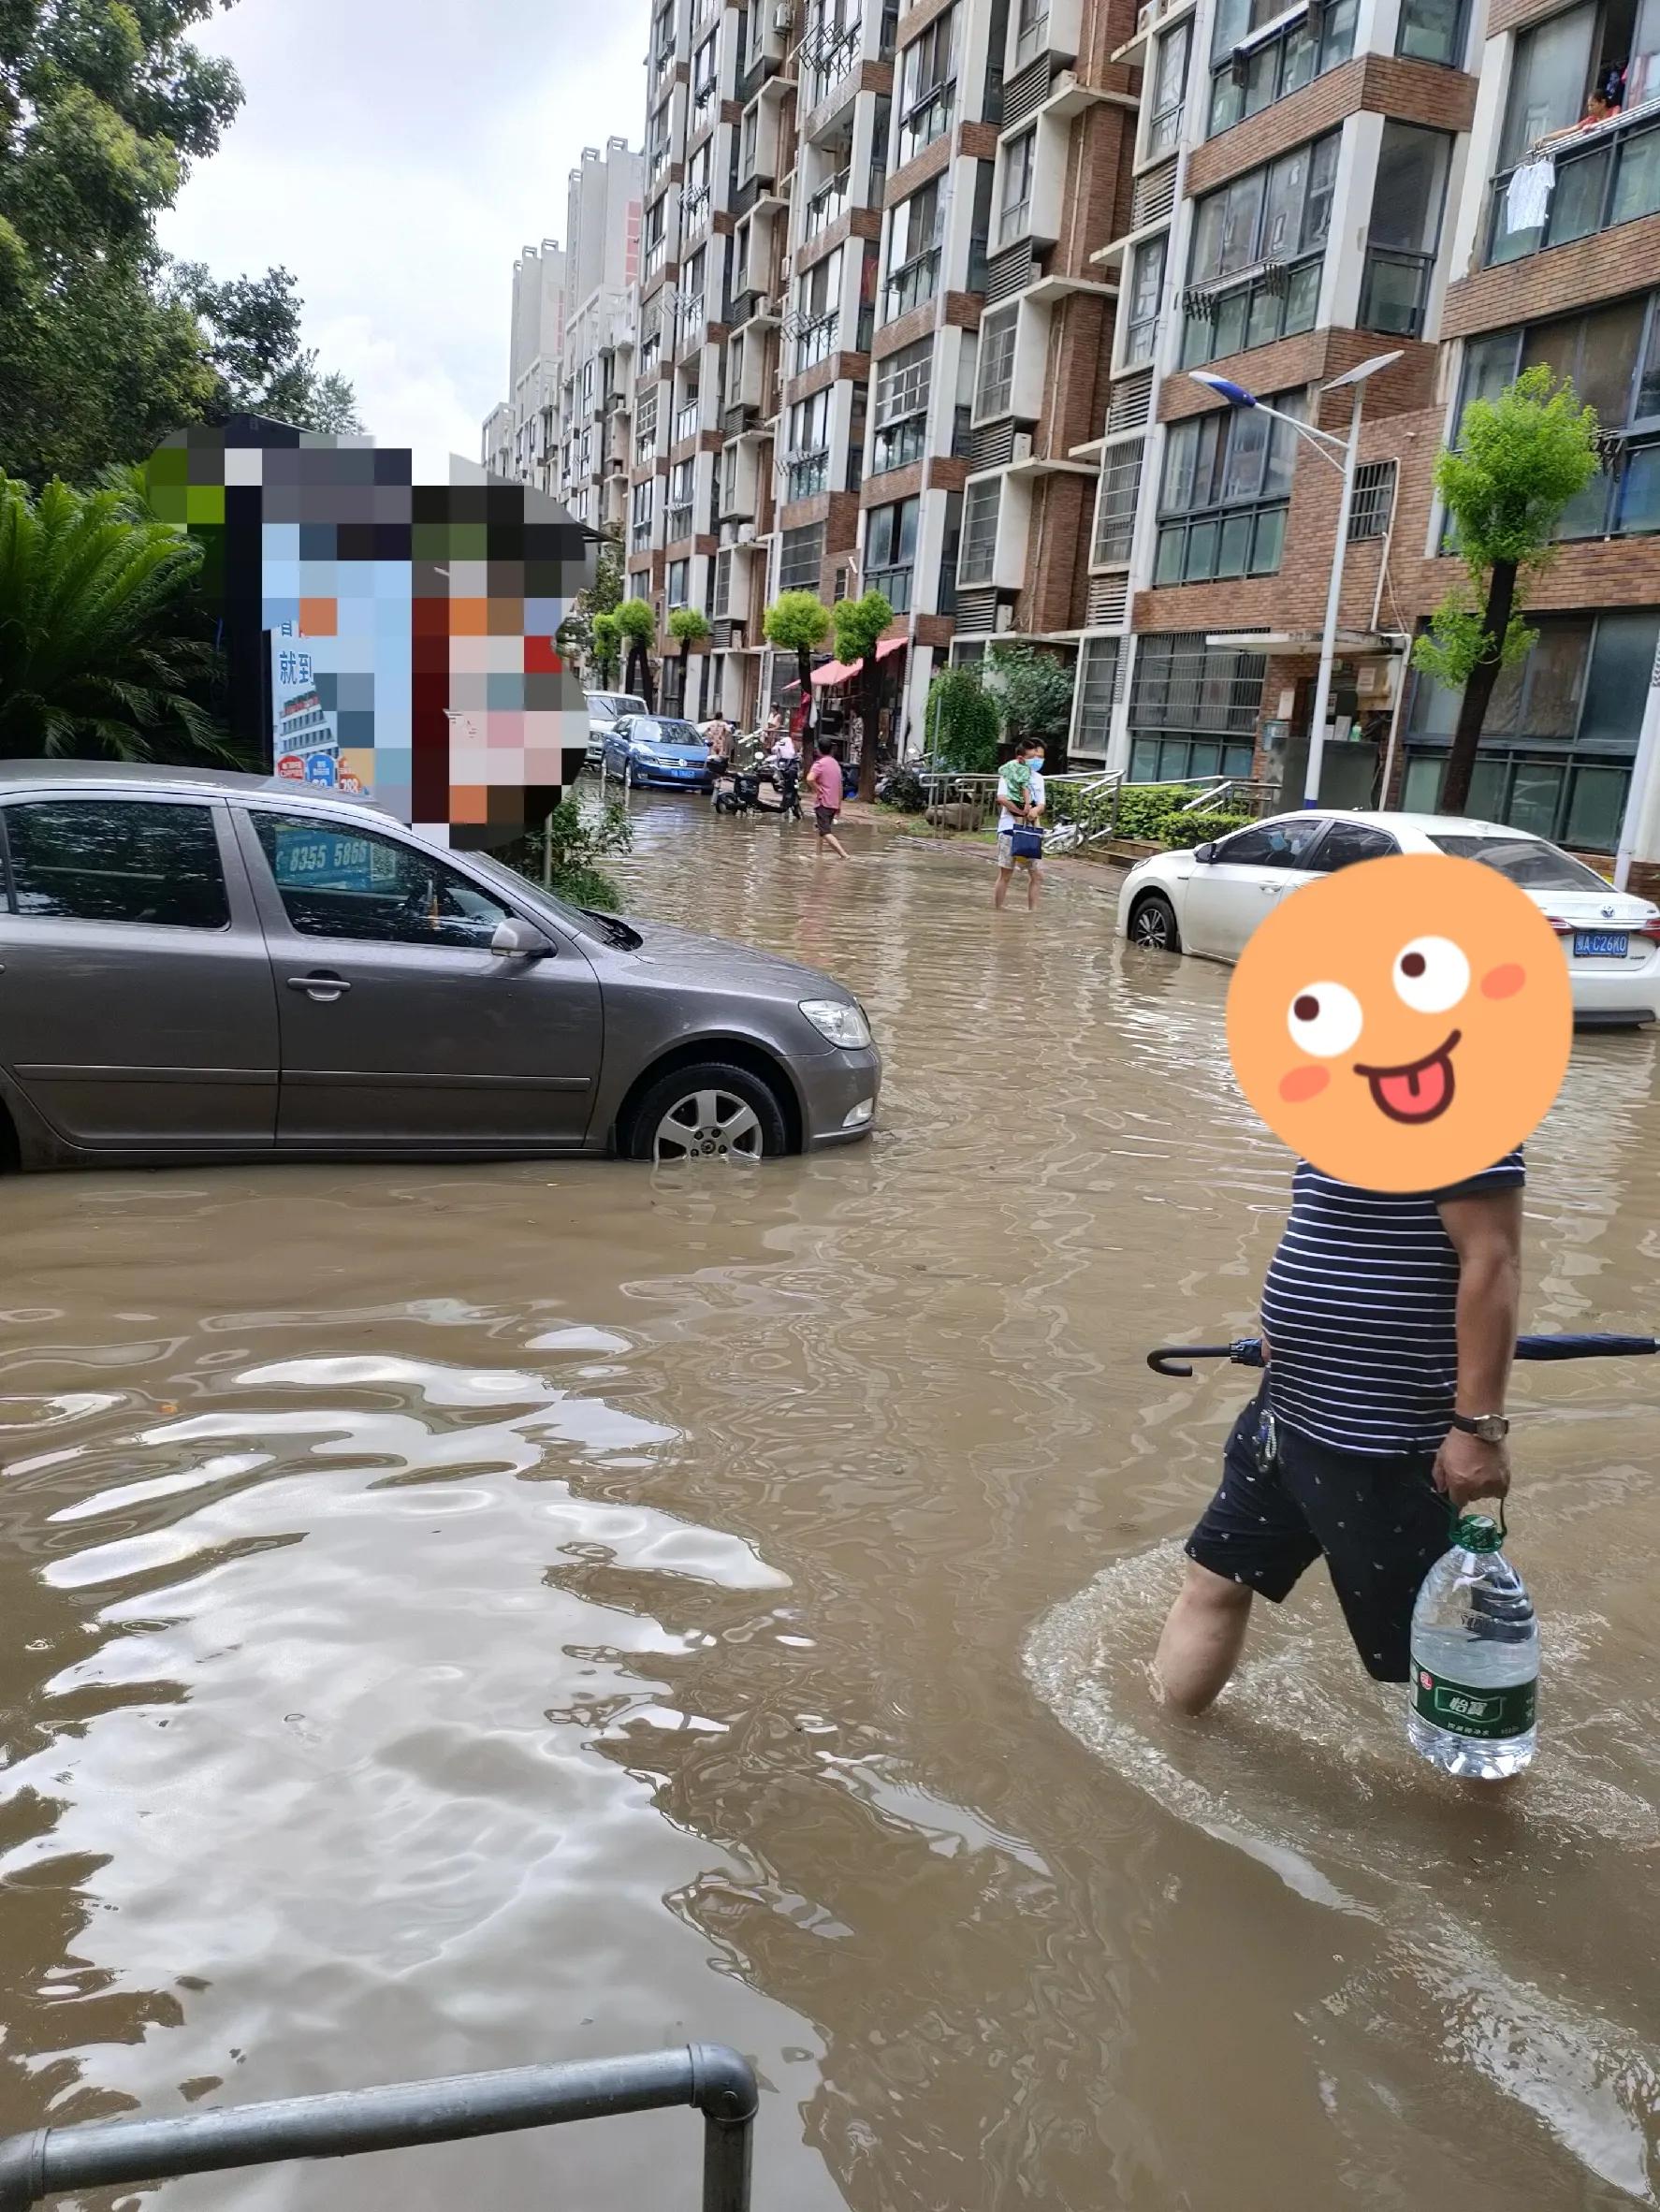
(1528, 199)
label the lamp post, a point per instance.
(1327, 444)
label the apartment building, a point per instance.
(530, 449)
(1312, 189)
(601, 270)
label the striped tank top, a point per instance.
(1361, 1308)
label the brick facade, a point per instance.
(1555, 282)
(1410, 91)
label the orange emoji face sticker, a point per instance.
(1403, 1023)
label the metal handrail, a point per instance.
(122, 2154)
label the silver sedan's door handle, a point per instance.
(321, 987)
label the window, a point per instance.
(801, 554)
(1405, 228)
(1098, 682)
(1431, 31)
(1016, 207)
(677, 572)
(977, 558)
(807, 452)
(1270, 844)
(1227, 484)
(1170, 85)
(890, 551)
(1611, 357)
(1560, 733)
(117, 860)
(1146, 290)
(1344, 842)
(994, 386)
(818, 293)
(357, 885)
(1604, 173)
(927, 87)
(903, 382)
(1115, 502)
(1268, 229)
(915, 228)
(1374, 500)
(1031, 31)
(1193, 708)
(640, 515)
(1259, 54)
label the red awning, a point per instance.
(834, 671)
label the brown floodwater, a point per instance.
(452, 1616)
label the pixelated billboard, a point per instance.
(384, 636)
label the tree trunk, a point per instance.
(804, 670)
(1472, 712)
(684, 679)
(871, 688)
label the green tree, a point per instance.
(605, 644)
(859, 624)
(690, 625)
(636, 625)
(1518, 462)
(1033, 692)
(962, 720)
(577, 634)
(798, 622)
(98, 653)
(252, 328)
(103, 105)
(577, 838)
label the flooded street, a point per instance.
(451, 1617)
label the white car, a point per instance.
(1209, 900)
(605, 709)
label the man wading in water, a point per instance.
(1391, 1324)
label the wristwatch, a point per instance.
(1492, 1428)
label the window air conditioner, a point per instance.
(783, 19)
(1004, 618)
(1020, 449)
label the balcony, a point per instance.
(899, 444)
(1242, 542)
(1600, 177)
(1276, 299)
(894, 584)
(1395, 291)
(825, 206)
(677, 520)
(913, 283)
(806, 472)
(924, 121)
(829, 58)
(686, 421)
(815, 340)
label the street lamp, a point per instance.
(1327, 444)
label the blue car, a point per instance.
(657, 749)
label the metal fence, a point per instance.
(122, 2154)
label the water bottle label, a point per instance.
(1463, 1711)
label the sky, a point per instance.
(396, 155)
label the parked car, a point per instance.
(659, 748)
(1209, 900)
(604, 710)
(208, 967)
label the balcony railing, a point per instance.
(815, 341)
(686, 421)
(1230, 316)
(899, 444)
(656, 254)
(1395, 291)
(690, 320)
(825, 206)
(1623, 499)
(894, 584)
(677, 519)
(1600, 177)
(1032, 39)
(913, 283)
(807, 472)
(926, 120)
(1236, 542)
(831, 56)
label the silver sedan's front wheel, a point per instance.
(1153, 925)
(708, 1125)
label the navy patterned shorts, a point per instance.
(1285, 1500)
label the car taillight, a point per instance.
(1562, 928)
(1650, 928)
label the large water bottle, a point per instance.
(1475, 1659)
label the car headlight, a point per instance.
(843, 1023)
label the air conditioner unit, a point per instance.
(1020, 449)
(1004, 618)
(746, 533)
(783, 19)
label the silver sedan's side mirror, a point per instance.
(1205, 852)
(515, 939)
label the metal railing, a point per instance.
(1602, 174)
(1395, 291)
(125, 2154)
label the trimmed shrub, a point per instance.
(1182, 831)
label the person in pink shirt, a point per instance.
(825, 781)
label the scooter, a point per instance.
(745, 794)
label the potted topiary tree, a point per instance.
(798, 622)
(859, 625)
(636, 625)
(690, 625)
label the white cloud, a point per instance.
(396, 154)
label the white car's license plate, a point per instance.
(1601, 944)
